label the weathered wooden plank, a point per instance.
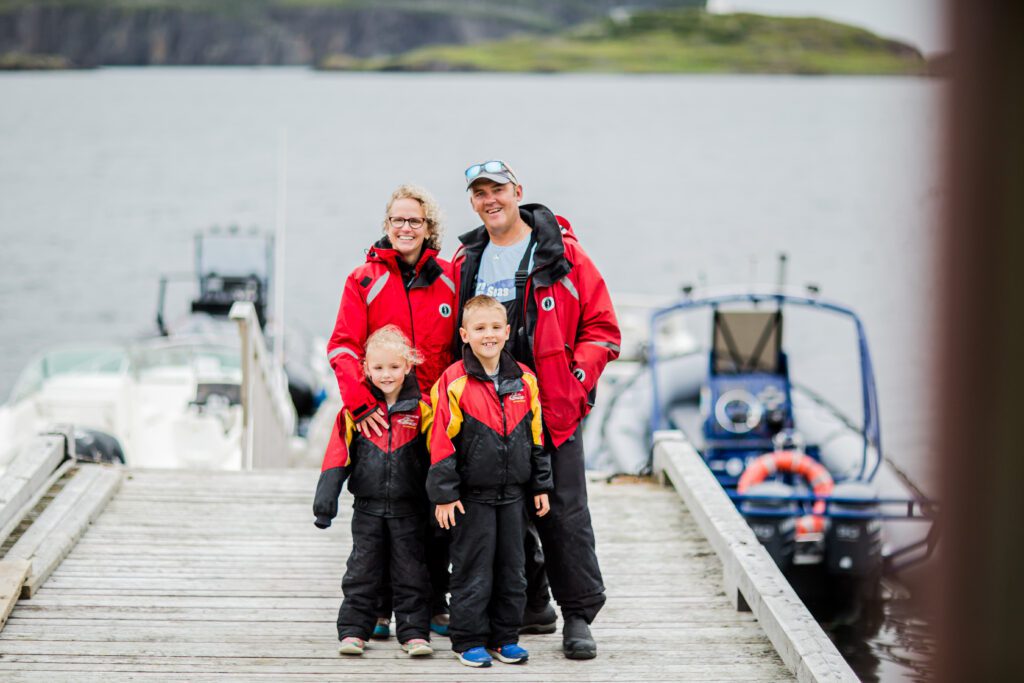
(680, 631)
(59, 527)
(103, 673)
(326, 649)
(23, 480)
(12, 577)
(633, 669)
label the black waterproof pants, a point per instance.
(488, 585)
(570, 557)
(374, 541)
(437, 566)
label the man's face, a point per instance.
(497, 205)
(486, 331)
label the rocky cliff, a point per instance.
(87, 33)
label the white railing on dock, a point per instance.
(267, 411)
(752, 579)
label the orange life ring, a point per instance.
(797, 463)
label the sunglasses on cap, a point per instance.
(495, 166)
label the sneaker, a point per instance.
(577, 643)
(476, 657)
(350, 645)
(541, 620)
(417, 647)
(510, 654)
(439, 624)
(382, 631)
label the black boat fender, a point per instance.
(92, 445)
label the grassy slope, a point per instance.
(682, 41)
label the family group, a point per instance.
(464, 386)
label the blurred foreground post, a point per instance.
(980, 380)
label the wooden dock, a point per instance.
(213, 576)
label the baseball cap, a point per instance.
(495, 170)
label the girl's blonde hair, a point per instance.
(392, 338)
(431, 210)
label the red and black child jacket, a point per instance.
(385, 473)
(485, 440)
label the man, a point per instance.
(563, 325)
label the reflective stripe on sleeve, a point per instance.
(378, 286)
(567, 283)
(607, 345)
(447, 280)
(340, 350)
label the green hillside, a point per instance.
(672, 41)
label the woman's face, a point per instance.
(407, 240)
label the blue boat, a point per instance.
(811, 480)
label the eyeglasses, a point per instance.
(494, 166)
(414, 223)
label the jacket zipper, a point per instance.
(408, 301)
(387, 470)
(504, 439)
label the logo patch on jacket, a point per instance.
(409, 421)
(445, 310)
(517, 397)
(547, 303)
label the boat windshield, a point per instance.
(100, 360)
(820, 347)
(210, 357)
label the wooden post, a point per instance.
(981, 336)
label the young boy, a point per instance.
(386, 475)
(486, 456)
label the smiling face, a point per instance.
(387, 369)
(486, 330)
(407, 240)
(498, 207)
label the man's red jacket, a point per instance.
(569, 316)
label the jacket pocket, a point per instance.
(563, 399)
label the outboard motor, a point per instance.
(773, 520)
(853, 545)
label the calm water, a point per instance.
(105, 176)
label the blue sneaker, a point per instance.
(382, 629)
(475, 656)
(439, 624)
(510, 654)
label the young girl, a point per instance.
(386, 474)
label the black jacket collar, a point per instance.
(427, 268)
(408, 397)
(510, 375)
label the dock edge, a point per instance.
(752, 579)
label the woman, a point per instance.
(402, 283)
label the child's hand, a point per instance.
(445, 514)
(540, 501)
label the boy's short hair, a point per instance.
(482, 301)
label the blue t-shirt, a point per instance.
(498, 266)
